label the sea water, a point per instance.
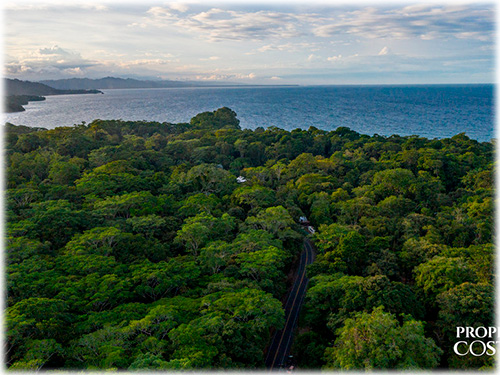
(432, 111)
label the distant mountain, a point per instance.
(14, 103)
(123, 83)
(19, 93)
(17, 87)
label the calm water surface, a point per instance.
(429, 111)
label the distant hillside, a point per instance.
(14, 103)
(131, 83)
(19, 93)
(17, 87)
(111, 83)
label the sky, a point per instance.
(299, 43)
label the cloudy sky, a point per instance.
(302, 43)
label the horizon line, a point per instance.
(229, 83)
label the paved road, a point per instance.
(282, 340)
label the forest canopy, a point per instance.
(132, 245)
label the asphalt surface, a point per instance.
(282, 340)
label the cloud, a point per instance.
(55, 55)
(218, 24)
(54, 5)
(431, 35)
(418, 21)
(211, 58)
(290, 47)
(383, 51)
(52, 59)
(11, 6)
(144, 62)
(334, 58)
(160, 13)
(57, 52)
(472, 35)
(180, 7)
(93, 6)
(74, 71)
(225, 76)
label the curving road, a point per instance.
(282, 340)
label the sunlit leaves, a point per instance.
(376, 340)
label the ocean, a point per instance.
(432, 111)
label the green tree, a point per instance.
(272, 219)
(264, 266)
(216, 256)
(116, 177)
(35, 319)
(209, 179)
(253, 196)
(418, 251)
(441, 274)
(466, 305)
(200, 202)
(94, 292)
(22, 248)
(64, 173)
(149, 225)
(198, 230)
(32, 277)
(99, 240)
(127, 205)
(327, 238)
(102, 349)
(332, 298)
(110, 241)
(247, 316)
(56, 221)
(377, 341)
(157, 280)
(221, 118)
(392, 182)
(39, 353)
